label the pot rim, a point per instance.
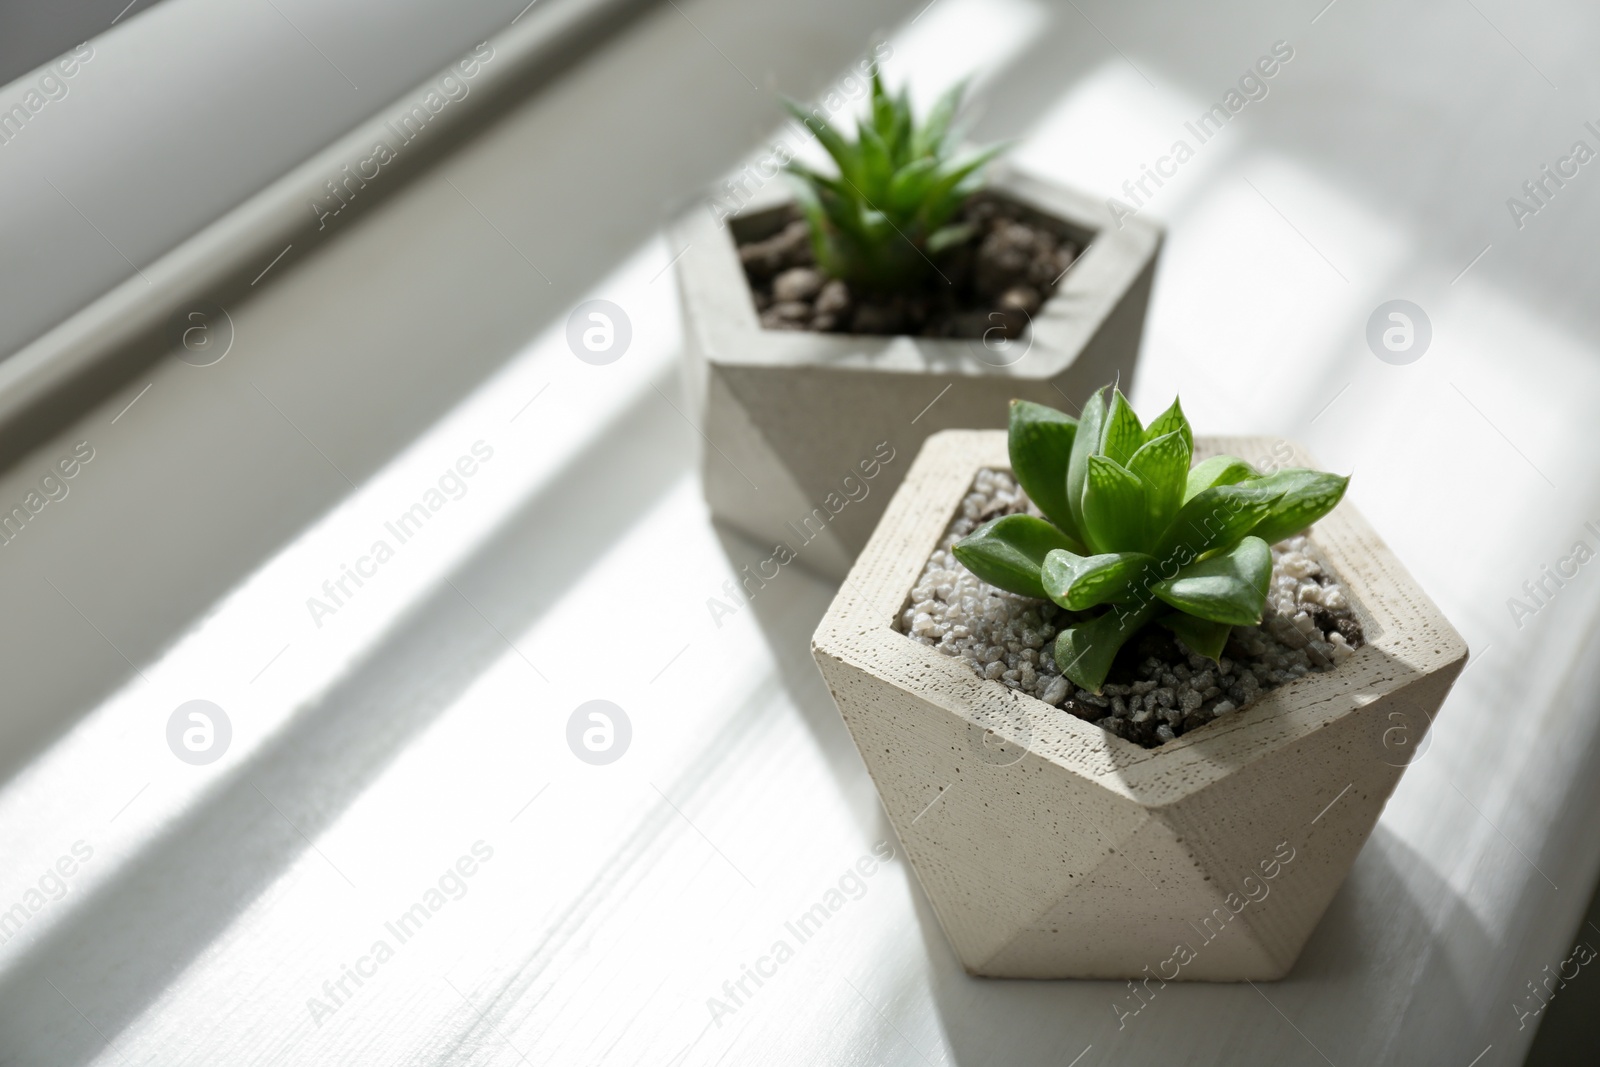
(718, 306)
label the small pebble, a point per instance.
(797, 284)
(1055, 692)
(1021, 298)
(833, 298)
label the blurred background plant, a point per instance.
(884, 219)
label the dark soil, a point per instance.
(999, 278)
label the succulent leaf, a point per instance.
(1170, 420)
(1079, 583)
(929, 139)
(1216, 518)
(1113, 507)
(909, 186)
(811, 208)
(883, 108)
(1040, 441)
(1009, 552)
(900, 142)
(1122, 433)
(1218, 470)
(1228, 588)
(841, 151)
(1308, 495)
(1162, 464)
(1085, 651)
(947, 192)
(1200, 635)
(876, 168)
(1083, 446)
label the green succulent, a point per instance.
(881, 221)
(1133, 534)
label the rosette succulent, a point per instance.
(1133, 534)
(892, 207)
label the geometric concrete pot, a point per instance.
(789, 416)
(1050, 848)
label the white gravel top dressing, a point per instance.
(1159, 689)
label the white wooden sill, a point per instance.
(425, 720)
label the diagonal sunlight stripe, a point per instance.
(423, 505)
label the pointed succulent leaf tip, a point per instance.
(876, 168)
(1308, 495)
(1199, 635)
(1228, 588)
(901, 139)
(883, 108)
(1218, 470)
(1162, 464)
(1085, 651)
(1040, 441)
(1079, 583)
(842, 152)
(1170, 421)
(929, 140)
(1113, 507)
(816, 219)
(945, 195)
(910, 184)
(1122, 433)
(1215, 520)
(1084, 445)
(1009, 552)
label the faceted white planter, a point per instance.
(1052, 849)
(788, 416)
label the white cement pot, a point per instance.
(1050, 848)
(788, 416)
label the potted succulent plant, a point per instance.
(914, 288)
(1129, 716)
